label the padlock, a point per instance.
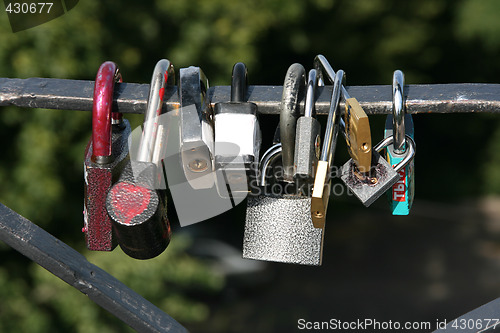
(237, 139)
(369, 187)
(136, 204)
(307, 139)
(104, 159)
(322, 179)
(278, 224)
(356, 124)
(196, 129)
(398, 125)
(278, 227)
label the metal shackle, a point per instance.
(334, 115)
(163, 75)
(267, 160)
(239, 82)
(293, 87)
(398, 111)
(312, 83)
(410, 151)
(102, 117)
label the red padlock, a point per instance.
(104, 159)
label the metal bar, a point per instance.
(73, 268)
(132, 97)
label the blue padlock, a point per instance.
(399, 124)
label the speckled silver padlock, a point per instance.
(279, 228)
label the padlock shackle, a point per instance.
(334, 115)
(333, 122)
(239, 82)
(321, 64)
(267, 159)
(398, 111)
(312, 83)
(293, 88)
(163, 75)
(107, 75)
(409, 154)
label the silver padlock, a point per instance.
(278, 225)
(196, 128)
(369, 187)
(237, 139)
(307, 138)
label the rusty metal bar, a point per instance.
(132, 97)
(73, 268)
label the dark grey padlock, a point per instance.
(370, 186)
(278, 225)
(307, 137)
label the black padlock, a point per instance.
(136, 204)
(138, 211)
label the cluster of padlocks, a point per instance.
(210, 156)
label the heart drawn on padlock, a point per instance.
(129, 201)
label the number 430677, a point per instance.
(32, 8)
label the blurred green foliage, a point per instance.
(41, 165)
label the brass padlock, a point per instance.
(321, 189)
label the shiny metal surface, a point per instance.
(332, 124)
(312, 82)
(398, 111)
(163, 73)
(268, 159)
(321, 188)
(410, 151)
(196, 128)
(320, 62)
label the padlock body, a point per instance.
(98, 179)
(237, 147)
(358, 135)
(137, 210)
(401, 194)
(280, 229)
(368, 189)
(307, 147)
